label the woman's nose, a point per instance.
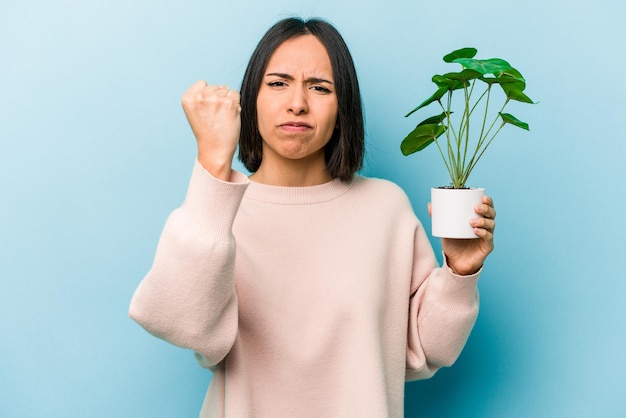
(298, 101)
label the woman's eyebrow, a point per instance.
(290, 77)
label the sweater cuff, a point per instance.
(456, 290)
(212, 202)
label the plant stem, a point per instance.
(488, 89)
(445, 160)
(481, 140)
(482, 129)
(453, 162)
(474, 162)
(443, 157)
(467, 114)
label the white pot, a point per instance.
(452, 210)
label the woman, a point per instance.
(306, 289)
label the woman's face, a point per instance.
(297, 104)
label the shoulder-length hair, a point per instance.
(344, 152)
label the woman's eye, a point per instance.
(276, 84)
(321, 89)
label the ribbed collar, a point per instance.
(282, 195)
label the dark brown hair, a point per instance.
(344, 152)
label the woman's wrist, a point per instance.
(220, 169)
(459, 269)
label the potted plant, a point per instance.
(468, 133)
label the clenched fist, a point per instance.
(213, 112)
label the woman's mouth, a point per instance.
(295, 126)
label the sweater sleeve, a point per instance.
(188, 297)
(442, 311)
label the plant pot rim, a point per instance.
(461, 189)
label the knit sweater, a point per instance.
(304, 301)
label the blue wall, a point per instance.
(95, 152)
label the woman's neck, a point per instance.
(292, 173)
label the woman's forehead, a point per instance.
(301, 56)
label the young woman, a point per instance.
(307, 290)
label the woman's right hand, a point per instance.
(213, 112)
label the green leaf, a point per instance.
(436, 96)
(513, 85)
(517, 95)
(508, 118)
(516, 76)
(434, 119)
(447, 83)
(488, 66)
(460, 53)
(465, 75)
(502, 80)
(421, 137)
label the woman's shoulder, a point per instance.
(381, 189)
(377, 183)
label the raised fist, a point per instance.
(213, 112)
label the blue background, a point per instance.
(95, 152)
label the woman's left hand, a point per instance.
(466, 256)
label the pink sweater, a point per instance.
(304, 302)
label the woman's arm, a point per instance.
(444, 301)
(188, 297)
(442, 313)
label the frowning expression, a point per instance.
(297, 103)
